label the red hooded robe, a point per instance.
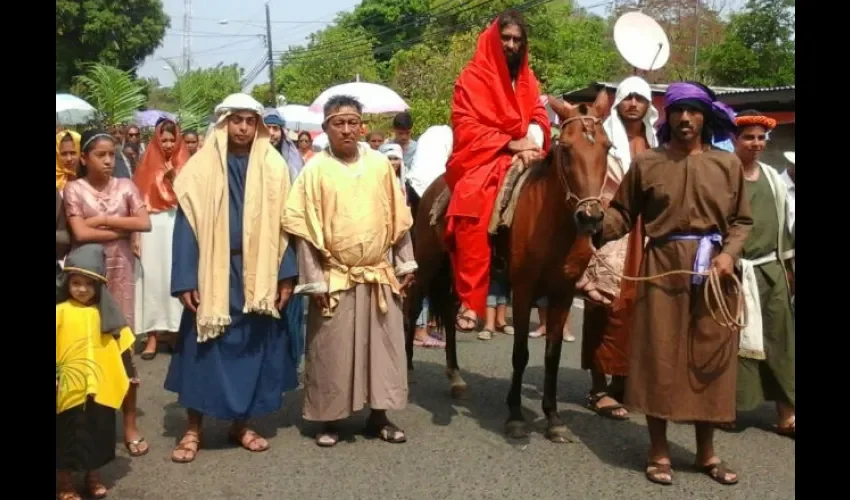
(487, 113)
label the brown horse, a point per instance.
(547, 249)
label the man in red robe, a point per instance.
(497, 118)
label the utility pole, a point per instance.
(187, 37)
(696, 39)
(270, 56)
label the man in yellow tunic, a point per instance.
(348, 212)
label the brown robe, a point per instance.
(682, 365)
(356, 357)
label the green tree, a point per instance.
(121, 34)
(569, 48)
(759, 49)
(425, 75)
(306, 71)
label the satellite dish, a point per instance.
(641, 41)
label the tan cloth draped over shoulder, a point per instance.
(352, 215)
(201, 189)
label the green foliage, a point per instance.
(759, 50)
(325, 62)
(569, 49)
(121, 34)
(390, 21)
(196, 93)
(114, 93)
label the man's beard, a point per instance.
(514, 64)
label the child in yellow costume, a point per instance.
(93, 371)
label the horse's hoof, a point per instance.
(460, 392)
(516, 429)
(559, 434)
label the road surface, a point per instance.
(455, 450)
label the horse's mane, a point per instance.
(538, 168)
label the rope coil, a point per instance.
(713, 289)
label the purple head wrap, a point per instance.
(719, 118)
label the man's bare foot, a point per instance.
(95, 488)
(150, 347)
(187, 449)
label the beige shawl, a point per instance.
(353, 215)
(201, 189)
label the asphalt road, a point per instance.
(455, 450)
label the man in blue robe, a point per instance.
(277, 130)
(232, 363)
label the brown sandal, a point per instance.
(253, 437)
(190, 443)
(718, 472)
(654, 471)
(137, 445)
(788, 430)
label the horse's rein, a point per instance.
(587, 129)
(712, 290)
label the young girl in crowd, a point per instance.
(108, 210)
(93, 372)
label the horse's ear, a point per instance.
(602, 103)
(561, 107)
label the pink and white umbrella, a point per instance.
(376, 99)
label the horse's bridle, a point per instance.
(587, 124)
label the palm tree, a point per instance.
(192, 111)
(113, 92)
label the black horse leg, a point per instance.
(559, 309)
(516, 426)
(457, 384)
(414, 308)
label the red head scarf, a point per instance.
(150, 176)
(487, 112)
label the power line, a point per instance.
(361, 43)
(358, 50)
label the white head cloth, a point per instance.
(790, 156)
(432, 153)
(391, 150)
(614, 127)
(238, 102)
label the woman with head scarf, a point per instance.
(108, 210)
(67, 157)
(156, 310)
(396, 156)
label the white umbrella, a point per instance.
(298, 117)
(71, 110)
(375, 98)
